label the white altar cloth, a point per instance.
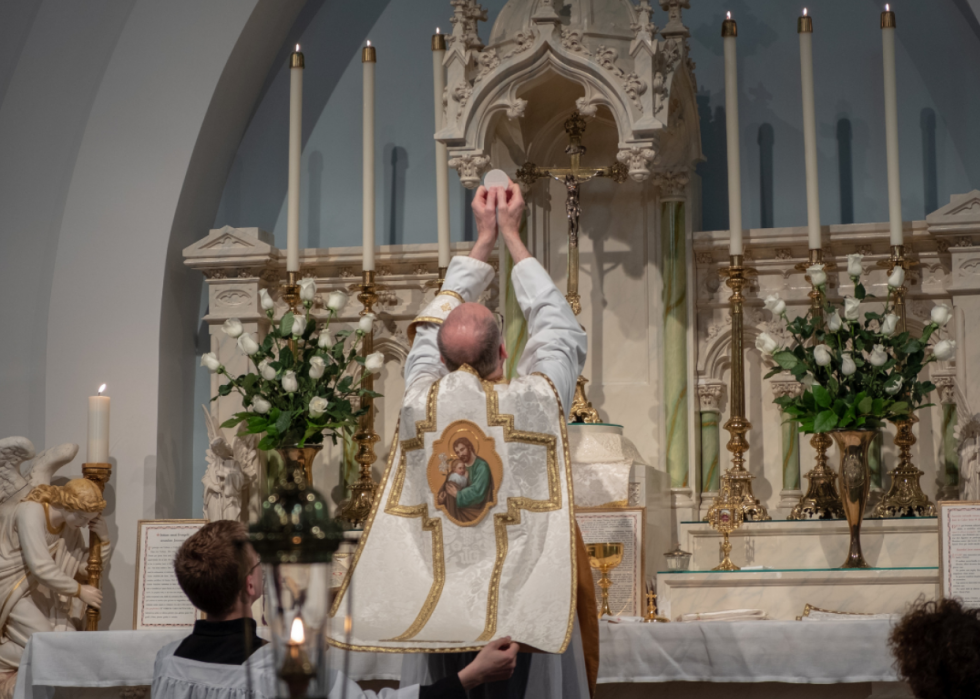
(797, 652)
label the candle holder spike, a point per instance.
(904, 497)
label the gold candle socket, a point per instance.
(804, 25)
(821, 500)
(438, 42)
(737, 478)
(904, 497)
(357, 507)
(729, 28)
(99, 473)
(887, 19)
(296, 60)
(369, 55)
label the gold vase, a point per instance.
(296, 463)
(855, 484)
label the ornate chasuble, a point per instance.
(472, 534)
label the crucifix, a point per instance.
(573, 177)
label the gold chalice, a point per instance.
(605, 557)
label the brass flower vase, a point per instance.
(855, 484)
(296, 463)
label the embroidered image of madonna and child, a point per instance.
(464, 473)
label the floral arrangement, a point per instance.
(306, 379)
(857, 371)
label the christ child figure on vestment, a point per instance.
(469, 485)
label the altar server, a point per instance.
(473, 533)
(220, 573)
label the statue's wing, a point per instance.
(247, 455)
(212, 425)
(49, 461)
(967, 422)
(13, 452)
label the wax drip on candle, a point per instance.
(101, 388)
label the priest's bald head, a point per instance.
(470, 335)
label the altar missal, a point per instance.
(959, 538)
(160, 603)
(623, 526)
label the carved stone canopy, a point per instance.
(611, 48)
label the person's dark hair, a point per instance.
(482, 355)
(937, 648)
(212, 566)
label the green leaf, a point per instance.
(860, 292)
(911, 347)
(785, 359)
(267, 443)
(234, 420)
(282, 423)
(901, 407)
(866, 405)
(877, 407)
(286, 325)
(224, 389)
(825, 421)
(822, 396)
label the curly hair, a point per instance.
(77, 495)
(937, 647)
(211, 566)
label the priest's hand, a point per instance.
(510, 210)
(495, 662)
(92, 596)
(485, 214)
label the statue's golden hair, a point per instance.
(77, 495)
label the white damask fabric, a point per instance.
(424, 582)
(602, 460)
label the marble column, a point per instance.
(673, 186)
(790, 494)
(709, 398)
(950, 487)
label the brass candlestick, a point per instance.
(357, 507)
(605, 557)
(737, 478)
(652, 615)
(904, 497)
(98, 472)
(821, 500)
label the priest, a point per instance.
(425, 578)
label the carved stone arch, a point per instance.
(716, 358)
(392, 349)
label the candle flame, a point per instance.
(296, 633)
(101, 388)
(887, 9)
(369, 42)
(729, 15)
(297, 48)
(437, 31)
(804, 12)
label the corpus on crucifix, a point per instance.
(573, 177)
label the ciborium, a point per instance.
(605, 557)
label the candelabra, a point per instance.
(99, 473)
(821, 500)
(904, 497)
(737, 481)
(358, 506)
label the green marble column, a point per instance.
(791, 453)
(709, 396)
(674, 269)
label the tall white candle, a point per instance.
(891, 126)
(729, 30)
(804, 28)
(369, 58)
(295, 154)
(98, 428)
(442, 155)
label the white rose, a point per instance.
(809, 381)
(210, 360)
(289, 382)
(941, 314)
(834, 322)
(374, 362)
(818, 277)
(944, 350)
(336, 300)
(892, 389)
(854, 268)
(299, 325)
(889, 324)
(851, 308)
(821, 355)
(366, 323)
(896, 278)
(265, 300)
(307, 289)
(878, 356)
(233, 327)
(325, 341)
(318, 406)
(247, 344)
(268, 373)
(775, 304)
(261, 405)
(317, 367)
(766, 344)
(848, 366)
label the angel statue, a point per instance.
(968, 449)
(43, 553)
(231, 480)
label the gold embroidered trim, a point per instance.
(616, 504)
(47, 521)
(428, 319)
(449, 292)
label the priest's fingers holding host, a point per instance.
(510, 209)
(485, 212)
(495, 662)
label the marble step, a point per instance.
(784, 594)
(886, 543)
